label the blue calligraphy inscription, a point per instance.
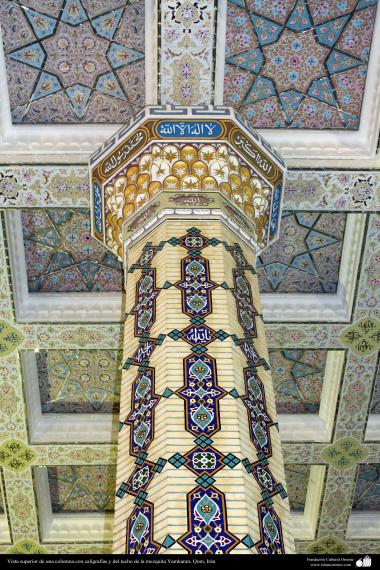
(275, 210)
(189, 129)
(98, 208)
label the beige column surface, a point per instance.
(159, 516)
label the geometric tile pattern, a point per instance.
(141, 418)
(145, 307)
(298, 378)
(208, 531)
(367, 492)
(259, 421)
(264, 477)
(79, 381)
(61, 255)
(246, 312)
(196, 286)
(139, 480)
(297, 479)
(271, 539)
(140, 531)
(306, 257)
(78, 489)
(298, 63)
(206, 506)
(201, 394)
(74, 61)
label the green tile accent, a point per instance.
(177, 460)
(231, 460)
(344, 453)
(362, 337)
(167, 393)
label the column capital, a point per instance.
(182, 162)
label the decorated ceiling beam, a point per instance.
(188, 31)
(32, 186)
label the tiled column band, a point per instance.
(211, 480)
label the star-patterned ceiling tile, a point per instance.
(74, 61)
(298, 378)
(79, 381)
(375, 405)
(61, 255)
(83, 488)
(306, 258)
(297, 480)
(298, 64)
(367, 492)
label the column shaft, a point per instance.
(200, 468)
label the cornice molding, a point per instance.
(363, 525)
(373, 428)
(4, 530)
(305, 523)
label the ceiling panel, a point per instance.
(306, 257)
(85, 381)
(297, 480)
(298, 379)
(61, 255)
(73, 61)
(367, 491)
(298, 64)
(83, 488)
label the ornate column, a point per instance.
(186, 198)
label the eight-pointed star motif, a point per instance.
(285, 61)
(76, 54)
